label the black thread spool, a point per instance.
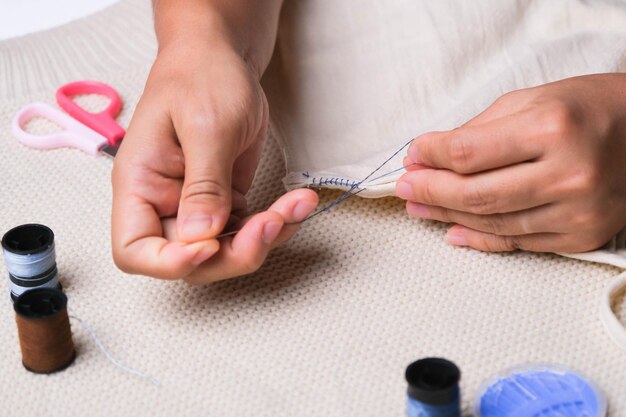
(30, 258)
(433, 388)
(44, 330)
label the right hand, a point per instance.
(185, 165)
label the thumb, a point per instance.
(205, 200)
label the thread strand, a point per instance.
(110, 357)
(343, 197)
(392, 172)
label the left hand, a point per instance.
(542, 169)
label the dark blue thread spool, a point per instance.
(433, 388)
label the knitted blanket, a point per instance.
(325, 328)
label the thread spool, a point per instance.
(30, 258)
(44, 330)
(540, 390)
(433, 388)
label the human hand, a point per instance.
(542, 169)
(185, 165)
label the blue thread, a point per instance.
(332, 181)
(538, 388)
(355, 185)
(419, 409)
(386, 161)
(392, 172)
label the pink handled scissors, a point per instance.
(90, 132)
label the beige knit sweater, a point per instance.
(325, 328)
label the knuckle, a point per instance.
(424, 147)
(585, 179)
(494, 223)
(461, 154)
(560, 117)
(585, 241)
(477, 200)
(203, 119)
(493, 243)
(428, 194)
(594, 219)
(510, 243)
(591, 224)
(212, 121)
(122, 261)
(507, 98)
(442, 214)
(578, 221)
(248, 265)
(202, 188)
(595, 241)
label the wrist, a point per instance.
(200, 28)
(181, 59)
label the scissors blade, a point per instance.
(110, 150)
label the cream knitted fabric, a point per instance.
(325, 328)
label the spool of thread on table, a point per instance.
(30, 258)
(44, 330)
(433, 388)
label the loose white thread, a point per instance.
(110, 357)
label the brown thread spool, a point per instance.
(44, 330)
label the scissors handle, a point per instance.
(102, 122)
(74, 134)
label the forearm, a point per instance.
(248, 26)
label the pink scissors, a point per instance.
(90, 132)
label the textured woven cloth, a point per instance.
(325, 328)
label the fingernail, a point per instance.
(414, 153)
(271, 231)
(456, 237)
(196, 226)
(302, 210)
(418, 210)
(202, 255)
(404, 190)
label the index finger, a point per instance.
(476, 148)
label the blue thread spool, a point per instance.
(433, 388)
(546, 390)
(30, 258)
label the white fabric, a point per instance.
(612, 324)
(354, 82)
